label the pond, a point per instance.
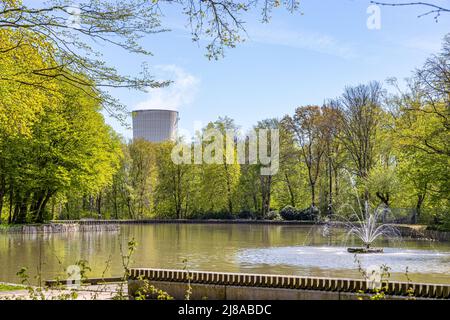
(249, 248)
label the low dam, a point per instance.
(60, 228)
(241, 286)
(410, 231)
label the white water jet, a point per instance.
(366, 226)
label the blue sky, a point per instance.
(295, 60)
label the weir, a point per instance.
(242, 286)
(415, 232)
(71, 227)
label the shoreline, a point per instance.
(61, 226)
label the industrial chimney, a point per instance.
(155, 125)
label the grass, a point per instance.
(10, 287)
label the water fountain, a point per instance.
(366, 226)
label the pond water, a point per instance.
(269, 249)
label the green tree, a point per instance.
(143, 177)
(71, 28)
(174, 184)
(70, 149)
(422, 131)
(359, 114)
(308, 127)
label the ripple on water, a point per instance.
(417, 261)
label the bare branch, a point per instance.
(433, 8)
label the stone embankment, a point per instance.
(91, 225)
(60, 228)
(406, 230)
(421, 232)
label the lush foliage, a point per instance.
(391, 150)
(58, 158)
(53, 143)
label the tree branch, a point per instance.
(434, 9)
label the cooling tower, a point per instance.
(155, 125)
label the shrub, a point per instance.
(308, 214)
(213, 215)
(245, 214)
(290, 213)
(274, 215)
(441, 223)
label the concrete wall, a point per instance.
(177, 290)
(60, 228)
(241, 286)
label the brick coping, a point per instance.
(423, 290)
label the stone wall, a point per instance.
(421, 232)
(412, 231)
(189, 221)
(60, 228)
(241, 286)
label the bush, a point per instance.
(274, 215)
(245, 214)
(441, 222)
(308, 214)
(290, 213)
(213, 215)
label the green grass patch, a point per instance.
(10, 287)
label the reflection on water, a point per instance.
(299, 250)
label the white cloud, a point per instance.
(180, 93)
(303, 39)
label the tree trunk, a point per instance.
(67, 210)
(266, 182)
(291, 193)
(11, 202)
(35, 208)
(384, 198)
(336, 184)
(179, 190)
(41, 207)
(186, 206)
(229, 195)
(130, 209)
(255, 201)
(91, 205)
(53, 209)
(99, 205)
(330, 188)
(418, 208)
(84, 203)
(2, 192)
(116, 210)
(21, 209)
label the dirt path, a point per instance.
(85, 292)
